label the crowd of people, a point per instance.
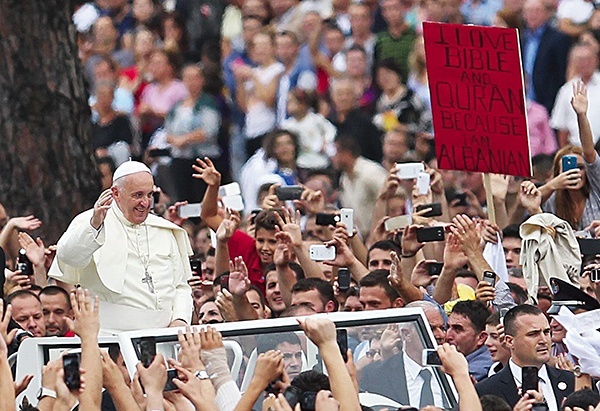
(314, 109)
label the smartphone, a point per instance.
(594, 275)
(569, 162)
(71, 369)
(462, 200)
(169, 386)
(431, 357)
(196, 266)
(24, 264)
(409, 171)
(423, 180)
(529, 380)
(320, 252)
(307, 401)
(155, 198)
(490, 278)
(292, 395)
(342, 342)
(286, 193)
(327, 219)
(231, 189)
(589, 246)
(159, 152)
(347, 217)
(235, 202)
(429, 234)
(343, 279)
(147, 347)
(436, 209)
(398, 222)
(224, 281)
(435, 268)
(190, 210)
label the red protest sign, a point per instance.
(477, 98)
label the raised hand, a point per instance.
(24, 223)
(173, 213)
(465, 229)
(311, 201)
(190, 349)
(454, 257)
(530, 197)
(579, 101)
(86, 322)
(228, 227)
(206, 171)
(101, 207)
(35, 250)
(5, 317)
(395, 277)
(239, 283)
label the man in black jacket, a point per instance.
(528, 338)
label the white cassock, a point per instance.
(112, 263)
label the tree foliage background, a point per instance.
(46, 160)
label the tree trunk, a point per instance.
(47, 166)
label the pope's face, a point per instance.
(133, 195)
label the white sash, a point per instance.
(116, 318)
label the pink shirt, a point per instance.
(541, 136)
(161, 98)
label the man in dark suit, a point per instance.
(544, 51)
(528, 337)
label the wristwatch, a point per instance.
(45, 392)
(202, 375)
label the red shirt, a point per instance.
(242, 245)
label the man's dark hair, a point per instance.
(266, 219)
(379, 278)
(51, 290)
(583, 398)
(463, 273)
(494, 403)
(298, 270)
(493, 319)
(21, 294)
(519, 294)
(261, 296)
(311, 381)
(356, 47)
(323, 287)
(511, 231)
(348, 143)
(267, 342)
(475, 311)
(297, 311)
(510, 319)
(385, 245)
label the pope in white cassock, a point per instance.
(137, 263)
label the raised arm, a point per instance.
(207, 172)
(580, 105)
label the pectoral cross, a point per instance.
(148, 281)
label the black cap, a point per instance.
(566, 294)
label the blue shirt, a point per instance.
(481, 12)
(531, 45)
(480, 362)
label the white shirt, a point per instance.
(565, 118)
(414, 382)
(316, 133)
(545, 383)
(260, 118)
(578, 11)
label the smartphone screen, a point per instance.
(342, 341)
(529, 379)
(71, 370)
(147, 346)
(224, 281)
(344, 278)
